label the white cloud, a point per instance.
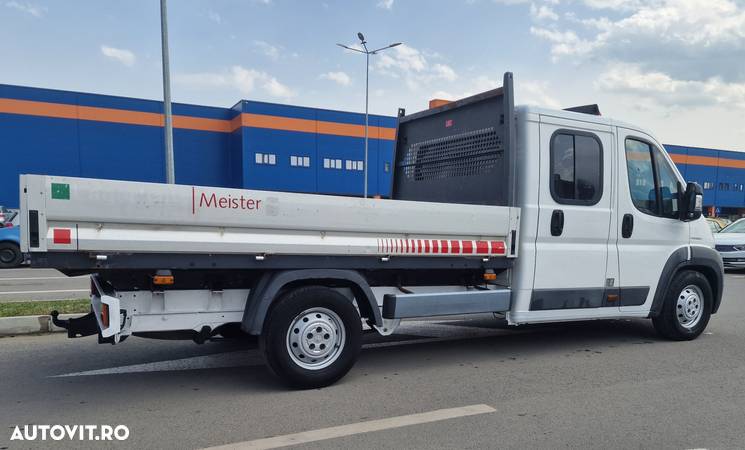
(403, 58)
(271, 51)
(247, 81)
(535, 93)
(214, 16)
(277, 89)
(528, 92)
(412, 65)
(28, 8)
(445, 72)
(338, 77)
(121, 55)
(543, 12)
(664, 90)
(685, 38)
(385, 4)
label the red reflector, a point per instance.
(497, 247)
(448, 123)
(467, 247)
(62, 236)
(482, 247)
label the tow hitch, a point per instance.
(77, 327)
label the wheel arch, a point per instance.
(704, 260)
(272, 284)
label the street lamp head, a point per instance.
(362, 37)
(396, 44)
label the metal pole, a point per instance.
(367, 91)
(170, 172)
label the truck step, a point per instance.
(403, 306)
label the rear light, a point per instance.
(9, 225)
(105, 315)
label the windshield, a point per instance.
(737, 227)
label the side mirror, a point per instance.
(693, 202)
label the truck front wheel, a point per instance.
(311, 337)
(687, 307)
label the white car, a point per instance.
(730, 243)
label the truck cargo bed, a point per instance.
(79, 223)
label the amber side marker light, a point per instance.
(105, 315)
(163, 280)
(490, 276)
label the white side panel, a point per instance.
(528, 159)
(103, 215)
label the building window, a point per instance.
(330, 163)
(266, 158)
(576, 168)
(355, 165)
(299, 161)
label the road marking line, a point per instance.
(44, 292)
(44, 278)
(359, 427)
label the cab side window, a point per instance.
(652, 182)
(576, 168)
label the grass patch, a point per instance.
(11, 309)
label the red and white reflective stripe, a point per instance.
(437, 246)
(62, 236)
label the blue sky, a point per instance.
(676, 67)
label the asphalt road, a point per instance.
(40, 284)
(603, 384)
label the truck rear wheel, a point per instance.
(687, 307)
(311, 337)
(10, 255)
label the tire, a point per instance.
(687, 307)
(311, 337)
(10, 255)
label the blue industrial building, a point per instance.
(253, 145)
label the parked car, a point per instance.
(714, 224)
(730, 243)
(10, 240)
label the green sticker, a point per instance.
(61, 191)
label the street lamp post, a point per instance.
(168, 128)
(367, 54)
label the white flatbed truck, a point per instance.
(537, 215)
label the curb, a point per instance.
(13, 326)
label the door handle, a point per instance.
(557, 222)
(627, 226)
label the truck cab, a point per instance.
(602, 226)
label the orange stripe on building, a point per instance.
(711, 161)
(112, 115)
(315, 126)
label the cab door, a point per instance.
(574, 224)
(649, 230)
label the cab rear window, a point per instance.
(576, 168)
